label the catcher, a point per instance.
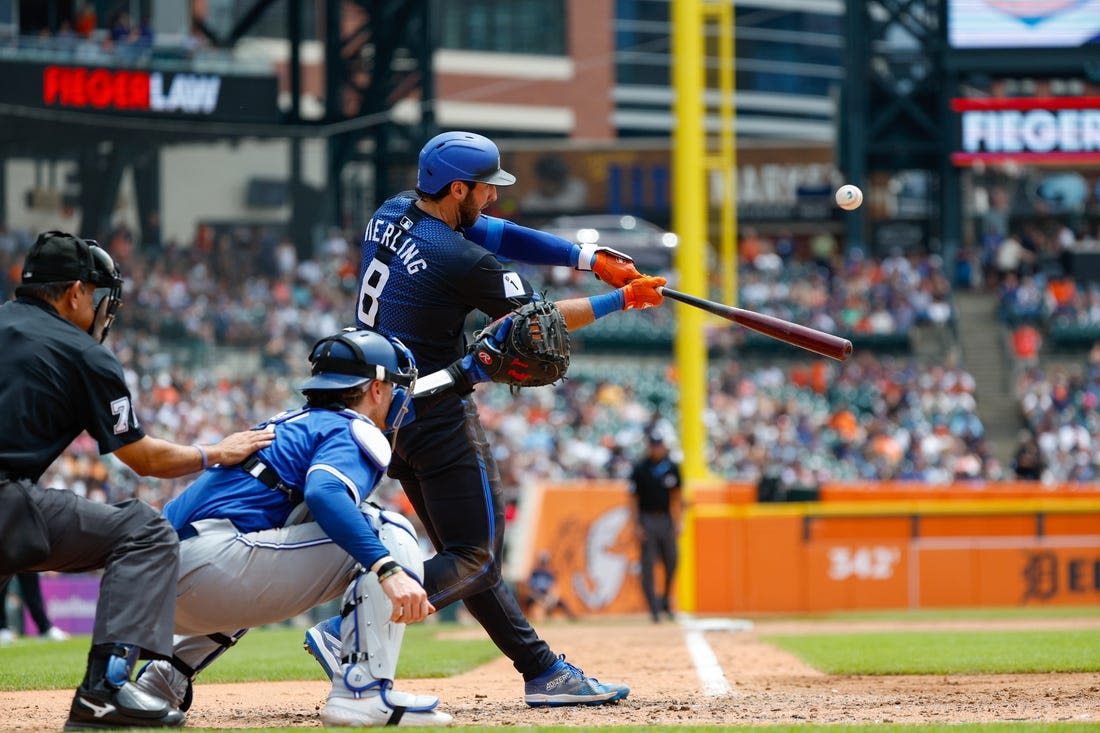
(289, 528)
(429, 258)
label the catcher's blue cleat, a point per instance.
(564, 684)
(323, 643)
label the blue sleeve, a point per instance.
(515, 242)
(337, 513)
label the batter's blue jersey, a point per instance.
(420, 279)
(335, 458)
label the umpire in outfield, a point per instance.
(56, 381)
(429, 258)
(658, 506)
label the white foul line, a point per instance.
(706, 664)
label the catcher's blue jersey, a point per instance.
(335, 458)
(420, 279)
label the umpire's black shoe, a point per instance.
(104, 706)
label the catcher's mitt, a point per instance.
(534, 350)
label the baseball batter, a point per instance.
(429, 258)
(57, 380)
(290, 528)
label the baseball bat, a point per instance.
(804, 337)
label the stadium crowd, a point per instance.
(245, 294)
(1044, 299)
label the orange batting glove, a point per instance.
(643, 292)
(611, 266)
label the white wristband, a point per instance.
(587, 256)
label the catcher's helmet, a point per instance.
(353, 357)
(460, 156)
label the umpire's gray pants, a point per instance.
(139, 554)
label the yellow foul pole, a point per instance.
(689, 221)
(724, 163)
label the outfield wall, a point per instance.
(862, 546)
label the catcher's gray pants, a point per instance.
(138, 552)
(230, 580)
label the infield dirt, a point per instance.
(767, 686)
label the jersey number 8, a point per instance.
(374, 280)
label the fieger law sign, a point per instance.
(138, 92)
(1041, 130)
(74, 86)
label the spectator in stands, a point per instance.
(121, 29)
(968, 268)
(85, 24)
(1011, 257)
(1027, 463)
(1026, 342)
(823, 248)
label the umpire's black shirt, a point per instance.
(55, 382)
(654, 482)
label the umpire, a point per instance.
(655, 485)
(56, 381)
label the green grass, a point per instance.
(947, 652)
(262, 655)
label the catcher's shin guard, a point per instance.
(367, 635)
(323, 641)
(362, 689)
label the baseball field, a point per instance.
(1008, 670)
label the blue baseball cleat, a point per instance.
(564, 684)
(323, 643)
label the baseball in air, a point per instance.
(849, 197)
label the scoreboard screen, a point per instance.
(977, 24)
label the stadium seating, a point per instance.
(203, 365)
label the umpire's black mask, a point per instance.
(61, 257)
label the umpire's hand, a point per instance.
(410, 602)
(236, 447)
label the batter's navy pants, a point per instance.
(446, 466)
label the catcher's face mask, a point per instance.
(401, 412)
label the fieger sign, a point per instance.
(1047, 130)
(74, 86)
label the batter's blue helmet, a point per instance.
(460, 156)
(354, 357)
